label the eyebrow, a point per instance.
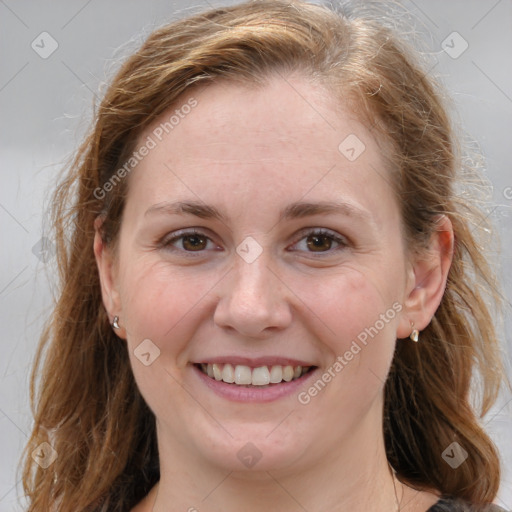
(295, 210)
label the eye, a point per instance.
(320, 240)
(187, 240)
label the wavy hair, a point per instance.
(85, 401)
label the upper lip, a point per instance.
(254, 362)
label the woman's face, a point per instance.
(260, 231)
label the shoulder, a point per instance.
(447, 504)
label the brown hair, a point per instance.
(85, 401)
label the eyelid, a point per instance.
(166, 241)
(333, 235)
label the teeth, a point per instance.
(288, 373)
(276, 374)
(217, 372)
(228, 374)
(245, 376)
(242, 374)
(260, 376)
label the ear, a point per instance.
(107, 271)
(427, 278)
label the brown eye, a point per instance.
(194, 242)
(319, 243)
(189, 241)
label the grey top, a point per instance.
(446, 504)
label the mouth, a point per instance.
(260, 377)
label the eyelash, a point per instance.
(166, 243)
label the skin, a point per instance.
(250, 152)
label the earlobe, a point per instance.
(106, 269)
(428, 276)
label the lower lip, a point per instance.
(254, 394)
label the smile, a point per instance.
(261, 376)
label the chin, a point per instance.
(252, 449)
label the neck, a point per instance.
(355, 477)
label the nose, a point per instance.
(253, 299)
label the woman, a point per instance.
(271, 294)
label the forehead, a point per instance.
(286, 139)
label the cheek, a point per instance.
(356, 321)
(352, 305)
(164, 306)
(355, 318)
(167, 308)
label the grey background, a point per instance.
(45, 106)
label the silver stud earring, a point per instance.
(415, 334)
(115, 323)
